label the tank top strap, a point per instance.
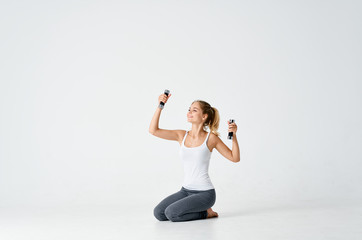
(183, 140)
(207, 137)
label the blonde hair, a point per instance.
(213, 117)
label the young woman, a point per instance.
(197, 194)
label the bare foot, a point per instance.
(211, 213)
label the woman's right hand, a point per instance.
(163, 98)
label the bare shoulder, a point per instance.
(181, 134)
(213, 140)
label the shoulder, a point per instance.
(213, 139)
(213, 136)
(181, 134)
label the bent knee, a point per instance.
(171, 214)
(159, 215)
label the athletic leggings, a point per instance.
(185, 205)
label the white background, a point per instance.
(80, 80)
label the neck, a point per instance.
(196, 131)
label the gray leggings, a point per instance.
(185, 205)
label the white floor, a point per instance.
(309, 221)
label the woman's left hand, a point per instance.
(232, 127)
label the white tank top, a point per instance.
(196, 166)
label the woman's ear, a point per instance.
(205, 116)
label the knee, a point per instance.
(159, 215)
(171, 214)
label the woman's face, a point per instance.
(194, 113)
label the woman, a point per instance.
(197, 194)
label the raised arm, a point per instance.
(163, 133)
(154, 122)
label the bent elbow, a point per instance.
(152, 131)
